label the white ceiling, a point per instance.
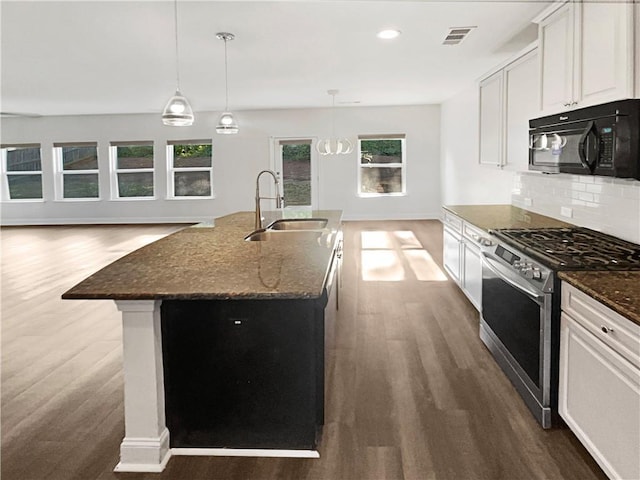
(90, 57)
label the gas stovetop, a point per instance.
(575, 248)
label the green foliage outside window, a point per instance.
(296, 163)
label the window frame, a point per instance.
(6, 173)
(60, 172)
(114, 171)
(172, 170)
(402, 165)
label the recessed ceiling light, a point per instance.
(388, 34)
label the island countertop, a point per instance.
(215, 262)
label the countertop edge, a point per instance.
(606, 300)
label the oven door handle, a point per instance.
(505, 275)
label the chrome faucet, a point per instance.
(278, 198)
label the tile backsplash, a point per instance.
(609, 205)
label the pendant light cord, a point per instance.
(175, 18)
(226, 78)
(333, 115)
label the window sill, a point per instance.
(69, 200)
(376, 195)
(192, 197)
(23, 200)
(133, 199)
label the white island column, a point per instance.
(145, 447)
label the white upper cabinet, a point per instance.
(555, 34)
(586, 54)
(491, 119)
(508, 100)
(521, 105)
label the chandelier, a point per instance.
(334, 145)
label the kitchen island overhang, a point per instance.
(215, 272)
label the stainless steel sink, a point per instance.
(283, 235)
(298, 224)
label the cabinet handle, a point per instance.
(606, 329)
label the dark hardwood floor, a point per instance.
(412, 393)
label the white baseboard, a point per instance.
(391, 216)
(245, 452)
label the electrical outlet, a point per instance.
(566, 212)
(527, 202)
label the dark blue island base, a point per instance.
(244, 373)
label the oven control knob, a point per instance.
(537, 274)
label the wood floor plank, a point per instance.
(411, 391)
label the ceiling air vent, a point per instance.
(456, 35)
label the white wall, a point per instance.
(464, 180)
(237, 160)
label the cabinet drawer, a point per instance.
(452, 221)
(473, 233)
(613, 329)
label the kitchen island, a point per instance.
(224, 339)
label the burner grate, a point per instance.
(574, 248)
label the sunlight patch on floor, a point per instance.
(423, 266)
(395, 256)
(381, 266)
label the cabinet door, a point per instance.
(556, 60)
(521, 83)
(604, 38)
(599, 398)
(637, 60)
(472, 274)
(451, 254)
(491, 120)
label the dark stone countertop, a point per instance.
(215, 262)
(489, 217)
(620, 291)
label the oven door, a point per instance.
(516, 327)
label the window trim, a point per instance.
(6, 173)
(114, 171)
(60, 172)
(402, 165)
(171, 170)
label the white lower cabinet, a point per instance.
(451, 254)
(599, 391)
(461, 254)
(472, 273)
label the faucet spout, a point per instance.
(278, 198)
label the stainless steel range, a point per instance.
(520, 321)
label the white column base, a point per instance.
(144, 454)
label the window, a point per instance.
(295, 165)
(190, 168)
(22, 166)
(132, 169)
(77, 168)
(382, 165)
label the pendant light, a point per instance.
(178, 112)
(334, 145)
(226, 124)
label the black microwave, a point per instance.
(597, 140)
